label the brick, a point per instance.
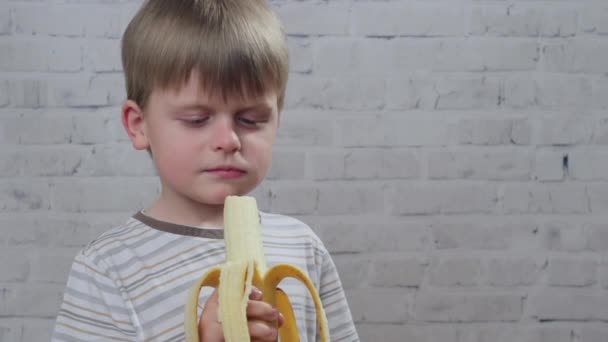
(327, 165)
(429, 198)
(24, 196)
(339, 199)
(563, 237)
(354, 271)
(103, 194)
(600, 132)
(11, 329)
(588, 164)
(593, 334)
(411, 55)
(471, 164)
(70, 233)
(304, 91)
(336, 55)
(30, 232)
(598, 237)
(51, 265)
(467, 93)
(564, 92)
(580, 55)
(329, 19)
(4, 93)
(549, 166)
(558, 57)
(414, 92)
(511, 272)
(493, 131)
(517, 20)
(593, 19)
(115, 160)
(425, 20)
(452, 271)
(38, 329)
(482, 54)
(362, 93)
(103, 55)
(37, 161)
(69, 20)
(30, 300)
(357, 237)
(287, 165)
(102, 126)
(28, 93)
(565, 131)
(99, 91)
(397, 271)
(598, 197)
(572, 272)
(568, 198)
(5, 21)
(372, 163)
(519, 92)
(393, 333)
(300, 54)
(466, 307)
(472, 236)
(305, 132)
(16, 265)
(599, 88)
(379, 305)
(39, 19)
(293, 199)
(35, 55)
(35, 128)
(568, 306)
(75, 91)
(384, 131)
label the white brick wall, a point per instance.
(451, 154)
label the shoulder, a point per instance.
(111, 243)
(284, 226)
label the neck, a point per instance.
(179, 210)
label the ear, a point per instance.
(133, 122)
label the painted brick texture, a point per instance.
(451, 155)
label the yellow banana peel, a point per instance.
(246, 266)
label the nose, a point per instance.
(224, 137)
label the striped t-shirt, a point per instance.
(131, 283)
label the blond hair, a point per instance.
(237, 47)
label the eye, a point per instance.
(247, 121)
(195, 121)
(252, 119)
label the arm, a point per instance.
(341, 325)
(93, 308)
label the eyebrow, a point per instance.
(205, 108)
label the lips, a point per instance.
(226, 172)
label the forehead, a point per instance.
(194, 91)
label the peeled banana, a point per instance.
(246, 266)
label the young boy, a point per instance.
(205, 84)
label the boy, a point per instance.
(205, 83)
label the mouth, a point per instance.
(226, 172)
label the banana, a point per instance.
(245, 267)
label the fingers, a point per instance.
(262, 331)
(209, 327)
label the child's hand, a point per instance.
(260, 316)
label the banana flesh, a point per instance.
(245, 267)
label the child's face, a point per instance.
(206, 149)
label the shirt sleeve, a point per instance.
(93, 308)
(341, 325)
